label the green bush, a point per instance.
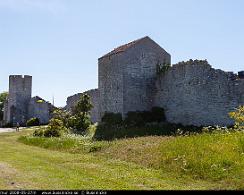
(140, 118)
(55, 128)
(3, 97)
(110, 132)
(139, 123)
(238, 116)
(112, 118)
(61, 115)
(56, 124)
(157, 114)
(52, 132)
(135, 119)
(38, 133)
(33, 122)
(71, 122)
(77, 120)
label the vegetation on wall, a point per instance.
(40, 101)
(162, 68)
(193, 62)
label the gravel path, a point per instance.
(4, 130)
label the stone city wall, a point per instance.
(193, 93)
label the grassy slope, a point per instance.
(30, 167)
(217, 157)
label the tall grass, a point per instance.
(216, 156)
(68, 143)
(212, 156)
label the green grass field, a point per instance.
(204, 161)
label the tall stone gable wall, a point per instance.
(94, 94)
(19, 95)
(140, 75)
(193, 93)
(127, 79)
(110, 83)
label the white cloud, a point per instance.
(51, 6)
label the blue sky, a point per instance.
(58, 42)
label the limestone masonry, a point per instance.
(19, 107)
(192, 93)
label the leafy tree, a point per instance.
(80, 119)
(238, 116)
(3, 97)
(83, 106)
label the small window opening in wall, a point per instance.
(117, 88)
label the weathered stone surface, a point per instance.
(19, 95)
(127, 76)
(39, 108)
(193, 93)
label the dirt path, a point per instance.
(8, 176)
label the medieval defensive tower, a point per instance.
(19, 96)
